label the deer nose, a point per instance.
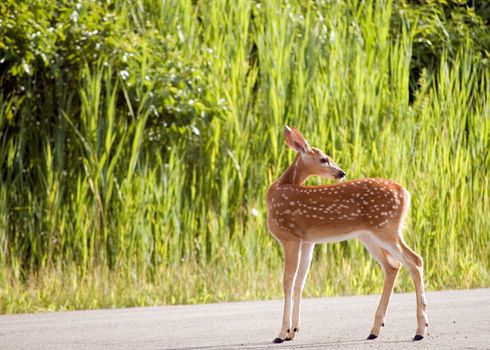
(340, 174)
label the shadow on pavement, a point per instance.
(269, 345)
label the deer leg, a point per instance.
(390, 268)
(291, 258)
(415, 265)
(299, 283)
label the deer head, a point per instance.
(314, 161)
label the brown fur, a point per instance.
(372, 210)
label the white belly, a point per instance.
(321, 237)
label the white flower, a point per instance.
(124, 74)
(195, 130)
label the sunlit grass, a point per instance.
(135, 224)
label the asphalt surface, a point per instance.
(457, 320)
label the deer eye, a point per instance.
(324, 160)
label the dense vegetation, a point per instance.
(137, 140)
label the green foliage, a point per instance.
(137, 140)
(45, 46)
(442, 27)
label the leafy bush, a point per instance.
(442, 27)
(46, 44)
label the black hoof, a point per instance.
(382, 324)
(427, 325)
(372, 336)
(277, 341)
(418, 337)
(288, 339)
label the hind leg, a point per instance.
(390, 268)
(415, 265)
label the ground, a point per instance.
(457, 320)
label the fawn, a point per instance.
(371, 210)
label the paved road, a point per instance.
(457, 319)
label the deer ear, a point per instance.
(295, 140)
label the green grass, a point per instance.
(97, 212)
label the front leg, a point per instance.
(299, 283)
(291, 259)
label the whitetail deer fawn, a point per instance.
(371, 210)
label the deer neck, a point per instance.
(295, 174)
